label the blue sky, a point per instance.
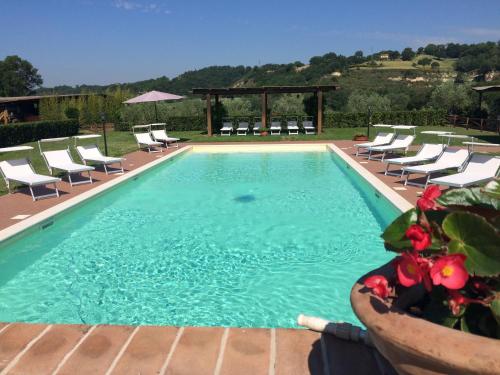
(105, 41)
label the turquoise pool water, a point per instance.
(248, 240)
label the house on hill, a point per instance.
(384, 57)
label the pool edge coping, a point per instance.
(18, 228)
(397, 200)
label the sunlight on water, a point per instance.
(209, 239)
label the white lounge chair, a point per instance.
(21, 171)
(162, 136)
(62, 160)
(380, 139)
(480, 168)
(400, 143)
(144, 141)
(449, 159)
(428, 152)
(242, 128)
(275, 128)
(227, 128)
(292, 127)
(92, 154)
(308, 127)
(256, 127)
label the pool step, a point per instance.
(80, 349)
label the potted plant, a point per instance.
(435, 309)
(360, 137)
(264, 132)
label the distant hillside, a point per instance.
(430, 63)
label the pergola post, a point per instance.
(320, 111)
(480, 99)
(209, 115)
(264, 109)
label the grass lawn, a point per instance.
(121, 143)
(445, 65)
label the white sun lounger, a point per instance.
(308, 127)
(292, 127)
(400, 143)
(21, 171)
(227, 128)
(144, 141)
(381, 139)
(275, 128)
(242, 128)
(162, 136)
(62, 160)
(428, 152)
(92, 154)
(256, 127)
(480, 168)
(449, 159)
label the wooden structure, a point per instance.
(482, 89)
(27, 108)
(264, 91)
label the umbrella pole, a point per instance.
(156, 113)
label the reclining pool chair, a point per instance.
(92, 154)
(380, 139)
(21, 171)
(401, 143)
(479, 169)
(62, 160)
(427, 153)
(162, 136)
(449, 159)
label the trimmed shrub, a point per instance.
(191, 123)
(16, 134)
(425, 117)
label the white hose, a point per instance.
(344, 331)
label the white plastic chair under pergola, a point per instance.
(21, 171)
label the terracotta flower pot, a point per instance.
(417, 346)
(360, 138)
(264, 134)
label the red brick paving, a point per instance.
(199, 350)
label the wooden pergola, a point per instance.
(482, 89)
(263, 91)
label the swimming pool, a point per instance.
(206, 239)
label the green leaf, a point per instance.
(492, 188)
(473, 236)
(437, 311)
(495, 308)
(469, 197)
(479, 320)
(394, 234)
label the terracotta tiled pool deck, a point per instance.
(81, 349)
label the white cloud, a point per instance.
(141, 7)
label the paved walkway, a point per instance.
(78, 349)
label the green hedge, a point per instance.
(332, 120)
(16, 134)
(173, 124)
(417, 118)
